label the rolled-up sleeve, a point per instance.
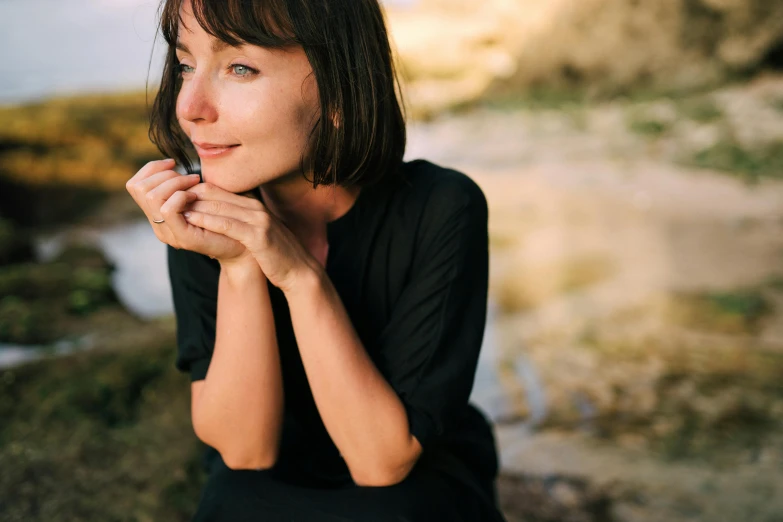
(194, 286)
(429, 349)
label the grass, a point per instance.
(749, 164)
(114, 423)
(95, 141)
(60, 158)
(40, 302)
(648, 127)
(700, 109)
(738, 312)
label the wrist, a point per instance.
(307, 281)
(241, 269)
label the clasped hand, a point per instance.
(209, 220)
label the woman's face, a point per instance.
(248, 110)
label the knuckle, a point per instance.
(225, 225)
(261, 237)
(264, 222)
(147, 167)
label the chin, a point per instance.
(214, 176)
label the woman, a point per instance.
(330, 298)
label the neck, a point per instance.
(306, 209)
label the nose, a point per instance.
(195, 102)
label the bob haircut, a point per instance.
(359, 136)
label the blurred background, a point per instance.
(632, 156)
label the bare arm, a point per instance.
(238, 408)
(362, 413)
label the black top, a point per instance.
(410, 262)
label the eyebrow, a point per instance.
(217, 46)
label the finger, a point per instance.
(175, 228)
(148, 198)
(229, 210)
(228, 227)
(139, 189)
(146, 185)
(175, 205)
(208, 191)
(167, 188)
(149, 169)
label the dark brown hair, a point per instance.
(359, 136)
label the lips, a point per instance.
(212, 150)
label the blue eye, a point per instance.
(243, 70)
(182, 68)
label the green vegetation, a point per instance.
(60, 158)
(677, 393)
(716, 405)
(700, 109)
(99, 436)
(40, 301)
(750, 164)
(737, 312)
(94, 141)
(726, 412)
(648, 127)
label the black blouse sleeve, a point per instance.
(429, 349)
(194, 288)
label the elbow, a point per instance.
(382, 476)
(248, 461)
(378, 479)
(234, 457)
(388, 472)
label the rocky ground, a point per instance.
(637, 272)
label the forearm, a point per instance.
(239, 409)
(362, 413)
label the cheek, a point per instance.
(272, 120)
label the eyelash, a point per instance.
(250, 71)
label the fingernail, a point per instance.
(186, 214)
(169, 160)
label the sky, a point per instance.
(60, 47)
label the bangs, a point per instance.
(234, 22)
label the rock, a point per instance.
(552, 499)
(52, 204)
(501, 48)
(14, 246)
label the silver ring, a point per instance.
(158, 222)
